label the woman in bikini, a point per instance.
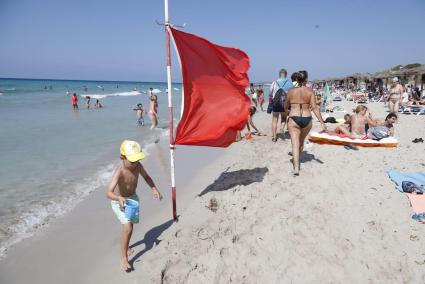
(396, 95)
(300, 103)
(153, 111)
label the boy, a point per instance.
(139, 113)
(123, 186)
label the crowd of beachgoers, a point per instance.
(289, 107)
(341, 218)
(292, 100)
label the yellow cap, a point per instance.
(131, 150)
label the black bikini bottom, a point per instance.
(302, 122)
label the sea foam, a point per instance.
(121, 94)
(26, 223)
(40, 213)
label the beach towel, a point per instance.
(341, 139)
(398, 178)
(417, 201)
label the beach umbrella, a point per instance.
(327, 94)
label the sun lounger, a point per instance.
(418, 110)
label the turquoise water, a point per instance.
(52, 156)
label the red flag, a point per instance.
(214, 79)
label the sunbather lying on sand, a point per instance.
(355, 124)
(416, 103)
(383, 128)
(346, 127)
(359, 120)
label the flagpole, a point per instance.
(170, 109)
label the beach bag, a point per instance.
(410, 187)
(378, 132)
(330, 119)
(280, 95)
(270, 108)
(270, 105)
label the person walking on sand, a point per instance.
(139, 113)
(301, 102)
(278, 93)
(260, 93)
(396, 95)
(250, 92)
(74, 101)
(122, 187)
(153, 111)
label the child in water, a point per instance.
(123, 186)
(139, 113)
(98, 104)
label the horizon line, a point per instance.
(85, 80)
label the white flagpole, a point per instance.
(170, 108)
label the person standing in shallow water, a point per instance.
(74, 101)
(153, 111)
(300, 102)
(88, 102)
(98, 104)
(139, 113)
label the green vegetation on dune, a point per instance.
(408, 66)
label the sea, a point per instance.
(52, 157)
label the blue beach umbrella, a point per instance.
(326, 93)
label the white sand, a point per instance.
(340, 221)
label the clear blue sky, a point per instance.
(119, 40)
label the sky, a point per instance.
(119, 40)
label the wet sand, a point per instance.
(84, 244)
